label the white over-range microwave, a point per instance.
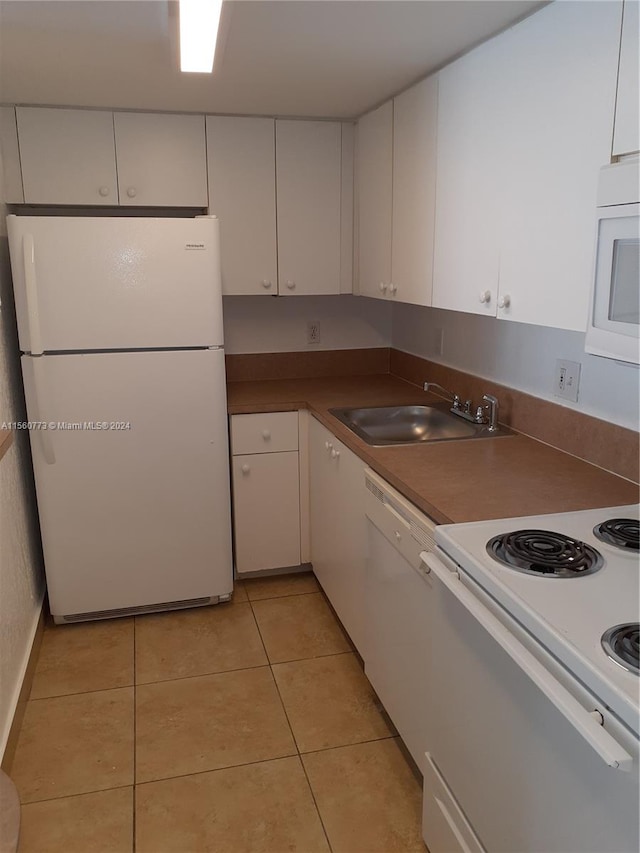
(614, 315)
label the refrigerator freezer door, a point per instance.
(138, 513)
(115, 283)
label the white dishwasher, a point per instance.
(398, 605)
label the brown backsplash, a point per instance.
(307, 365)
(607, 445)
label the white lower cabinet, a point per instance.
(338, 528)
(266, 491)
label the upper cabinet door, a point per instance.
(470, 127)
(242, 194)
(308, 181)
(374, 155)
(161, 160)
(626, 137)
(67, 156)
(414, 192)
(559, 96)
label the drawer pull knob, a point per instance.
(266, 283)
(266, 434)
(245, 469)
(104, 191)
(485, 296)
(131, 192)
(334, 453)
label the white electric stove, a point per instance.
(534, 729)
(569, 611)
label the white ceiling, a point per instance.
(333, 58)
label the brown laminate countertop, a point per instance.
(451, 481)
(6, 437)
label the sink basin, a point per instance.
(410, 425)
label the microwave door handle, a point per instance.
(611, 752)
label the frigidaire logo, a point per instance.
(195, 246)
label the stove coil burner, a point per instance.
(620, 532)
(545, 553)
(622, 645)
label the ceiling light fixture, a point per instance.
(199, 21)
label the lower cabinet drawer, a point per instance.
(445, 829)
(266, 511)
(264, 432)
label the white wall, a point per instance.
(279, 324)
(21, 577)
(520, 356)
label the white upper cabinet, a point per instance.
(470, 125)
(374, 167)
(70, 156)
(161, 160)
(67, 156)
(414, 192)
(626, 137)
(524, 125)
(242, 194)
(557, 138)
(13, 193)
(308, 192)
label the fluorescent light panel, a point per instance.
(199, 21)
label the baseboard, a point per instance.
(22, 692)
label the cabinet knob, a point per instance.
(335, 453)
(131, 192)
(485, 296)
(266, 284)
(392, 288)
(291, 284)
(104, 191)
(504, 301)
(266, 434)
(245, 469)
(328, 445)
(398, 536)
(383, 287)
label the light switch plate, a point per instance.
(567, 380)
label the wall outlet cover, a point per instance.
(567, 380)
(313, 332)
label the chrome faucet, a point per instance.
(455, 399)
(484, 414)
(493, 411)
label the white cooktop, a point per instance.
(568, 615)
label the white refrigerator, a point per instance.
(120, 326)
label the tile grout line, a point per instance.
(299, 756)
(210, 770)
(277, 597)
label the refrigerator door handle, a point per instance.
(44, 431)
(31, 290)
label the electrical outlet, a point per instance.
(567, 380)
(313, 332)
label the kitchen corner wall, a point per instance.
(520, 356)
(255, 324)
(21, 573)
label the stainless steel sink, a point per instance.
(387, 425)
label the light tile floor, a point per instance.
(242, 728)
